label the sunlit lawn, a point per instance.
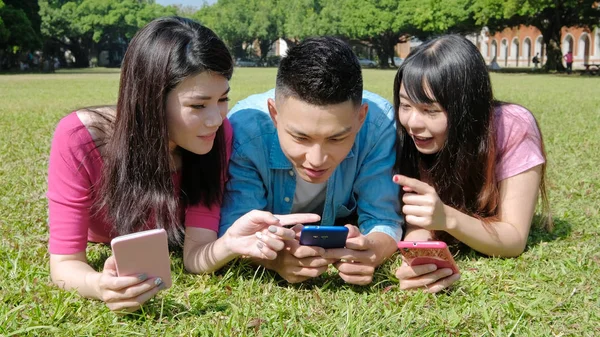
(552, 289)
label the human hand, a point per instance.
(426, 277)
(125, 293)
(298, 263)
(356, 262)
(260, 234)
(422, 206)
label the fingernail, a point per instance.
(447, 272)
(158, 281)
(259, 245)
(259, 235)
(142, 277)
(162, 286)
(272, 229)
(395, 179)
(275, 218)
(432, 267)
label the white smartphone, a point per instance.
(143, 252)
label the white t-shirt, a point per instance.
(309, 198)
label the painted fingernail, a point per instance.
(272, 229)
(259, 245)
(158, 281)
(259, 235)
(142, 277)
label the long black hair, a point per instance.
(137, 183)
(450, 71)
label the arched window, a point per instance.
(583, 48)
(597, 43)
(514, 51)
(527, 51)
(504, 51)
(539, 48)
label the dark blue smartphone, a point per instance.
(324, 236)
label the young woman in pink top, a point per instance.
(156, 160)
(470, 167)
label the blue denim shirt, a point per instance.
(261, 176)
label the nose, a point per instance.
(214, 119)
(316, 156)
(415, 120)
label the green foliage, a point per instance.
(19, 25)
(305, 18)
(230, 20)
(438, 17)
(82, 25)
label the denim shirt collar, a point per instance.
(278, 160)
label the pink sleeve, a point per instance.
(518, 141)
(69, 182)
(200, 216)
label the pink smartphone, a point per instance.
(143, 252)
(427, 252)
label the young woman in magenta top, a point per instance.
(156, 160)
(469, 166)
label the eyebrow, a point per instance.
(408, 99)
(302, 134)
(200, 97)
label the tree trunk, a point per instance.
(554, 56)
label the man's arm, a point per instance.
(377, 196)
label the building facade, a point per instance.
(516, 47)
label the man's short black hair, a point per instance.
(321, 71)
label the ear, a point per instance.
(272, 111)
(362, 113)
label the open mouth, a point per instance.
(422, 141)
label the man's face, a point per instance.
(316, 138)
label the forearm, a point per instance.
(414, 233)
(383, 245)
(495, 239)
(78, 275)
(207, 257)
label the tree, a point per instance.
(83, 26)
(229, 19)
(549, 16)
(266, 23)
(431, 17)
(376, 22)
(19, 29)
(306, 18)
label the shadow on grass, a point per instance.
(538, 234)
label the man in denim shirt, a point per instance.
(318, 144)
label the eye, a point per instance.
(299, 138)
(405, 106)
(224, 99)
(336, 140)
(197, 106)
(432, 111)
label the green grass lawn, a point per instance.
(553, 289)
